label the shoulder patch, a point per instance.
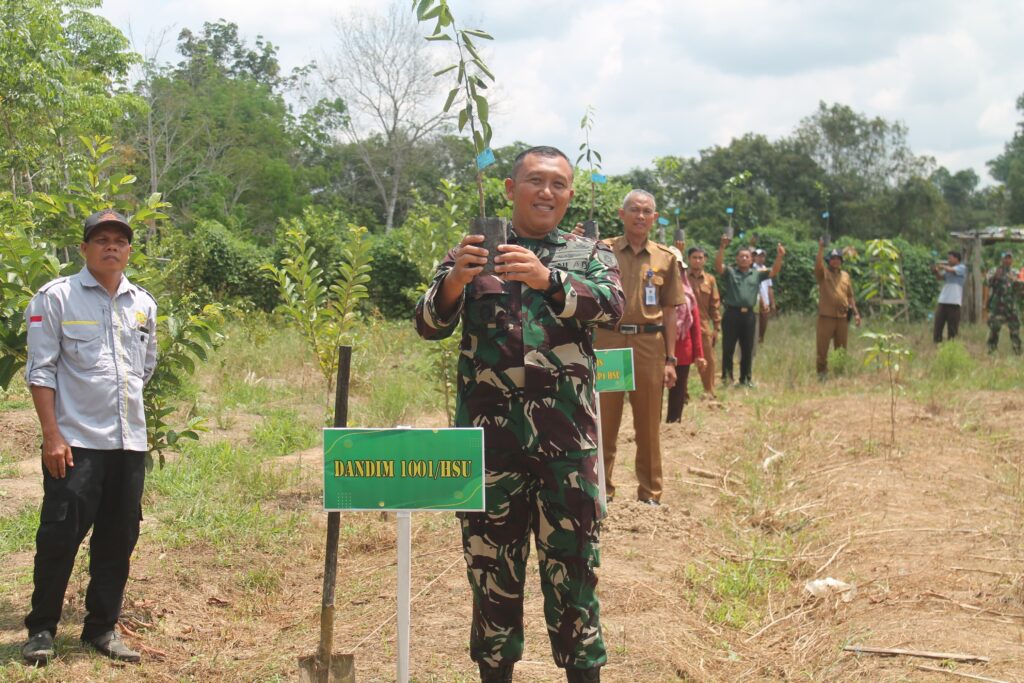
(665, 249)
(146, 292)
(53, 283)
(605, 256)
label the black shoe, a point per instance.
(654, 504)
(38, 649)
(111, 645)
(583, 675)
(496, 674)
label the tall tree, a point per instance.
(63, 73)
(863, 159)
(1008, 168)
(382, 70)
(221, 140)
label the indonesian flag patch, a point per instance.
(35, 321)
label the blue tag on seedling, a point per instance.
(729, 210)
(485, 159)
(662, 220)
(677, 211)
(598, 178)
(824, 214)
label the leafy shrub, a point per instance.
(225, 267)
(952, 360)
(395, 278)
(840, 362)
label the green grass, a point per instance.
(18, 531)
(737, 590)
(282, 432)
(8, 468)
(222, 494)
(16, 396)
(786, 361)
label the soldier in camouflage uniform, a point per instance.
(526, 376)
(1004, 296)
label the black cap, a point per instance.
(106, 217)
(835, 253)
(760, 252)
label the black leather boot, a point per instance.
(583, 675)
(496, 674)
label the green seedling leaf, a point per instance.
(451, 99)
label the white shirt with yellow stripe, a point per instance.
(97, 352)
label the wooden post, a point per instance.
(979, 280)
(333, 528)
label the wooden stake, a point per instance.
(892, 652)
(961, 674)
(326, 648)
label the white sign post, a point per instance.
(614, 372)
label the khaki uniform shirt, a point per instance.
(835, 291)
(709, 302)
(653, 263)
(96, 352)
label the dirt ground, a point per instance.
(927, 531)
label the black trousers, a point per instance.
(679, 395)
(946, 315)
(103, 491)
(738, 327)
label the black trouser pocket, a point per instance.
(53, 511)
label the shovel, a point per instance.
(325, 666)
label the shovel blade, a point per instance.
(342, 669)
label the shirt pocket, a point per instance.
(82, 344)
(134, 341)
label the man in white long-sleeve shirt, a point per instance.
(91, 349)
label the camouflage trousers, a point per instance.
(554, 497)
(995, 324)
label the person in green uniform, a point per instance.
(1005, 292)
(526, 377)
(740, 288)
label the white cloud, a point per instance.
(678, 76)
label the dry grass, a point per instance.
(709, 588)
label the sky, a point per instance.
(673, 77)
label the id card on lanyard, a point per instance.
(650, 291)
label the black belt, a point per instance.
(633, 329)
(741, 309)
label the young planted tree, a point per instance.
(471, 77)
(886, 352)
(593, 157)
(324, 312)
(885, 289)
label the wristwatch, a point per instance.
(554, 282)
(671, 359)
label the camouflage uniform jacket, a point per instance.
(526, 367)
(1005, 293)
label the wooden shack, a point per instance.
(971, 243)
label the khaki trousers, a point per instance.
(830, 329)
(649, 373)
(707, 375)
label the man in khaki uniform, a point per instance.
(835, 299)
(705, 288)
(653, 288)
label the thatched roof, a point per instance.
(993, 233)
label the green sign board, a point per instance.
(614, 370)
(404, 469)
